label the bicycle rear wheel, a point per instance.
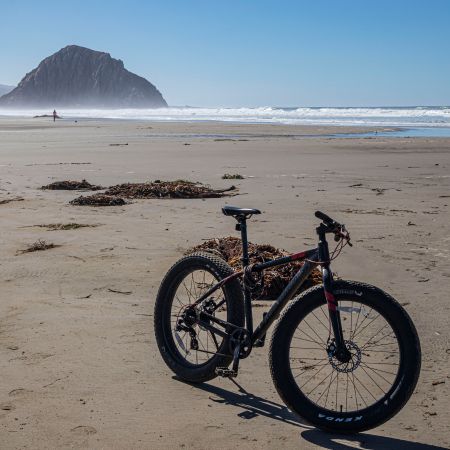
(195, 355)
(363, 392)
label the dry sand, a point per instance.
(79, 367)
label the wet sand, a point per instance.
(78, 360)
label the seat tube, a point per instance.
(245, 263)
(243, 228)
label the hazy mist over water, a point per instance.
(419, 116)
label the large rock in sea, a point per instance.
(83, 78)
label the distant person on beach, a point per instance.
(54, 115)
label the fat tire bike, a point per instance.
(344, 355)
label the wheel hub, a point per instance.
(346, 360)
(189, 317)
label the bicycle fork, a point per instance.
(336, 348)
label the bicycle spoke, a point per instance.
(357, 391)
(308, 340)
(356, 324)
(320, 339)
(330, 374)
(364, 386)
(328, 390)
(327, 328)
(376, 342)
(308, 367)
(378, 370)
(309, 379)
(367, 373)
(362, 329)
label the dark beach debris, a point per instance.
(37, 246)
(275, 280)
(69, 185)
(66, 226)
(168, 189)
(118, 144)
(379, 191)
(116, 291)
(98, 200)
(12, 199)
(232, 176)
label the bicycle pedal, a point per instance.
(225, 372)
(260, 342)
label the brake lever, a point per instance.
(346, 236)
(342, 233)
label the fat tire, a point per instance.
(379, 412)
(164, 337)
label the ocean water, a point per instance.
(419, 116)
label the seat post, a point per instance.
(242, 227)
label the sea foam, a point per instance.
(383, 116)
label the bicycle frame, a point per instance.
(313, 258)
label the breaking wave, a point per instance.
(383, 116)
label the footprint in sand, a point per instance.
(84, 429)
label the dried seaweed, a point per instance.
(66, 226)
(37, 246)
(98, 200)
(13, 199)
(275, 279)
(232, 176)
(69, 185)
(167, 189)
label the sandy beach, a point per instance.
(78, 359)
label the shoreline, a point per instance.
(335, 131)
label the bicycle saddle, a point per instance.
(236, 212)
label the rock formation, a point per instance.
(83, 78)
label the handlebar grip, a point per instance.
(322, 216)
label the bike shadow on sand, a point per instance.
(254, 406)
(363, 441)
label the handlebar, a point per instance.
(327, 219)
(334, 227)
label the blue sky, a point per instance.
(249, 52)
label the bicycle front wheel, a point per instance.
(358, 394)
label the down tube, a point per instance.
(287, 294)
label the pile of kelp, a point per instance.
(275, 279)
(115, 195)
(167, 189)
(98, 200)
(69, 185)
